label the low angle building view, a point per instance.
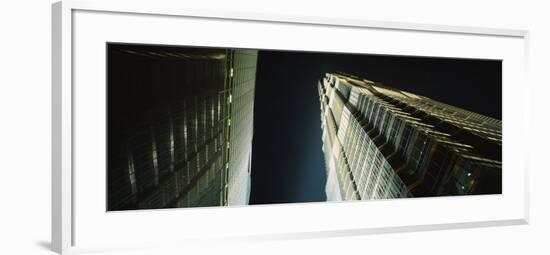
(381, 143)
(191, 126)
(179, 126)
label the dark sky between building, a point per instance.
(287, 160)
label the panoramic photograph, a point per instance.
(191, 126)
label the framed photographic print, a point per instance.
(191, 125)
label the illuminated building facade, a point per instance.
(179, 126)
(380, 143)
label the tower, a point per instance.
(380, 142)
(179, 126)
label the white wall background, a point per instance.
(25, 127)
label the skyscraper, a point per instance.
(380, 142)
(179, 126)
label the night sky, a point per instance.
(287, 160)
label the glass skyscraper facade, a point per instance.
(179, 126)
(380, 142)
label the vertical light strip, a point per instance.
(172, 143)
(132, 173)
(155, 156)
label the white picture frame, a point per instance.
(73, 19)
